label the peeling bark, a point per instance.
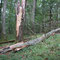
(20, 15)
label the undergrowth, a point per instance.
(49, 49)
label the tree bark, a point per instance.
(43, 12)
(0, 18)
(51, 15)
(31, 42)
(57, 14)
(22, 22)
(20, 19)
(33, 11)
(33, 14)
(3, 19)
(23, 8)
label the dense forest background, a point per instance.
(28, 29)
(41, 16)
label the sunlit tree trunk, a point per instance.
(20, 19)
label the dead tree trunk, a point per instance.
(22, 21)
(31, 42)
(20, 18)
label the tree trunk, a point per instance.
(43, 12)
(51, 19)
(10, 30)
(33, 11)
(31, 42)
(57, 15)
(23, 20)
(3, 19)
(23, 8)
(33, 14)
(20, 19)
(0, 18)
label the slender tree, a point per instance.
(33, 11)
(0, 17)
(50, 14)
(33, 15)
(3, 19)
(57, 14)
(43, 12)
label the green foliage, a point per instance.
(42, 16)
(46, 50)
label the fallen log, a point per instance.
(10, 41)
(31, 42)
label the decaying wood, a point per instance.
(20, 13)
(18, 19)
(23, 19)
(31, 42)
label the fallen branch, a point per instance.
(10, 41)
(31, 42)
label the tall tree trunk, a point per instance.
(51, 20)
(23, 8)
(33, 14)
(23, 15)
(57, 15)
(43, 12)
(3, 20)
(0, 18)
(20, 19)
(22, 22)
(33, 11)
(50, 15)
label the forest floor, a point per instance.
(49, 49)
